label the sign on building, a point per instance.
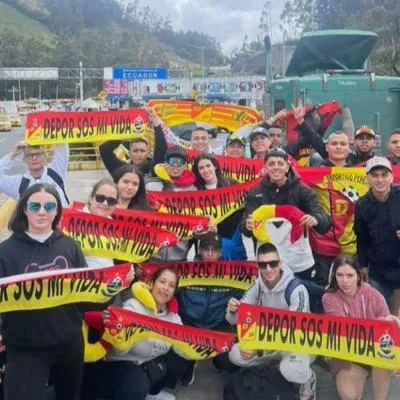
(28, 74)
(133, 74)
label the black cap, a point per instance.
(210, 238)
(276, 152)
(175, 151)
(258, 131)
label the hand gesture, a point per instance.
(155, 120)
(18, 149)
(233, 305)
(308, 221)
(299, 112)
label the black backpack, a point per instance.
(53, 175)
(259, 383)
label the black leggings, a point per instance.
(125, 380)
(29, 370)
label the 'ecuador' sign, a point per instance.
(133, 74)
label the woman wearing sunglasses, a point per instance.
(348, 296)
(102, 202)
(209, 176)
(41, 341)
(131, 187)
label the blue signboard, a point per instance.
(133, 74)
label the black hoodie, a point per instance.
(293, 193)
(40, 328)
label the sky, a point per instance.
(226, 20)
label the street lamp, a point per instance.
(40, 90)
(202, 57)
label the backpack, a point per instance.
(315, 293)
(258, 383)
(53, 175)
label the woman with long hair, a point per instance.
(209, 176)
(149, 366)
(40, 341)
(131, 187)
(348, 296)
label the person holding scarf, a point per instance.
(41, 341)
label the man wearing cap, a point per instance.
(393, 146)
(204, 306)
(172, 175)
(260, 142)
(364, 143)
(235, 146)
(139, 149)
(280, 186)
(377, 226)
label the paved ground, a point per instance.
(208, 383)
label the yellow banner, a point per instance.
(370, 342)
(228, 116)
(80, 127)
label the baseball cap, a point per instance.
(276, 152)
(210, 238)
(378, 162)
(235, 138)
(365, 130)
(258, 131)
(175, 151)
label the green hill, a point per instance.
(13, 20)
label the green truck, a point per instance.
(332, 65)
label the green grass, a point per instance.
(13, 20)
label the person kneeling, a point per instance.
(148, 366)
(269, 291)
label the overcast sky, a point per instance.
(226, 20)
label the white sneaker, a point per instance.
(308, 390)
(163, 395)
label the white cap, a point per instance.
(378, 162)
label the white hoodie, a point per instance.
(259, 294)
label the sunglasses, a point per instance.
(101, 198)
(272, 264)
(178, 161)
(34, 207)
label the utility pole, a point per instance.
(81, 79)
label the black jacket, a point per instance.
(112, 163)
(359, 158)
(375, 225)
(40, 328)
(293, 193)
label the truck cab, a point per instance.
(332, 65)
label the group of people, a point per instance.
(360, 276)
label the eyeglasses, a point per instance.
(34, 207)
(101, 198)
(33, 155)
(175, 161)
(272, 264)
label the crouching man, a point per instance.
(269, 291)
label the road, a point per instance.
(208, 384)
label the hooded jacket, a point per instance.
(368, 303)
(260, 295)
(292, 192)
(149, 349)
(40, 328)
(375, 226)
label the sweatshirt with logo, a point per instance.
(36, 329)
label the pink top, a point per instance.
(368, 303)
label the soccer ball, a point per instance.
(351, 193)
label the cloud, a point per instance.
(226, 20)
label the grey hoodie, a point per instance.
(149, 349)
(259, 294)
